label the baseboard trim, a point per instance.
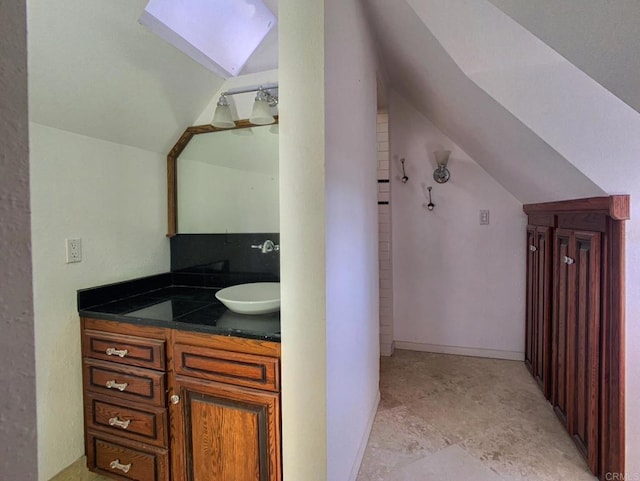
(387, 349)
(460, 351)
(365, 440)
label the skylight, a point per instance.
(219, 34)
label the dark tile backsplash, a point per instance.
(219, 260)
(94, 296)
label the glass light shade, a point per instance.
(261, 114)
(442, 157)
(222, 117)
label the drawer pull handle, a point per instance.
(112, 351)
(568, 260)
(119, 423)
(114, 385)
(175, 399)
(533, 248)
(115, 464)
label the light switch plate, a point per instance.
(484, 217)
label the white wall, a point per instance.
(458, 286)
(328, 238)
(302, 240)
(17, 353)
(113, 197)
(352, 236)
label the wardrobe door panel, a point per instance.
(542, 355)
(585, 346)
(561, 307)
(532, 286)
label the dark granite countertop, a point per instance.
(161, 301)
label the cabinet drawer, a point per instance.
(122, 460)
(135, 421)
(124, 349)
(250, 370)
(123, 382)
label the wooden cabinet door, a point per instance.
(224, 432)
(561, 306)
(542, 319)
(538, 318)
(583, 344)
(532, 286)
(576, 337)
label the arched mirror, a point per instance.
(223, 181)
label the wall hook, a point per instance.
(430, 205)
(404, 178)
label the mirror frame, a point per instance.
(172, 165)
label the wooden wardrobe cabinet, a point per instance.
(574, 344)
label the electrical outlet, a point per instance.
(484, 217)
(74, 250)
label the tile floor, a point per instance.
(78, 472)
(454, 418)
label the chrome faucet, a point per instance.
(267, 246)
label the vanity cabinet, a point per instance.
(574, 342)
(225, 409)
(124, 377)
(163, 404)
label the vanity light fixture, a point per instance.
(441, 174)
(222, 117)
(261, 114)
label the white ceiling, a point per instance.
(422, 71)
(575, 115)
(266, 55)
(601, 38)
(95, 71)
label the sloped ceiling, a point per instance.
(422, 71)
(266, 55)
(580, 119)
(601, 38)
(95, 71)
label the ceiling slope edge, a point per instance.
(94, 71)
(581, 120)
(600, 38)
(424, 73)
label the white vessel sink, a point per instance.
(254, 298)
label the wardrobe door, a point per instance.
(583, 344)
(542, 354)
(532, 286)
(562, 306)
